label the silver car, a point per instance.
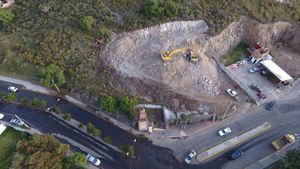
(189, 158)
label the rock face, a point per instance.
(138, 69)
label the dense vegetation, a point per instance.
(45, 152)
(66, 34)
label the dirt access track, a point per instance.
(133, 59)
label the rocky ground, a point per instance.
(134, 60)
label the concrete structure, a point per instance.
(213, 151)
(143, 120)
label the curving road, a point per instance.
(284, 119)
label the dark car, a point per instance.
(270, 106)
(261, 95)
(236, 154)
(255, 87)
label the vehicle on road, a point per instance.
(255, 87)
(224, 131)
(1, 116)
(16, 121)
(232, 93)
(93, 160)
(283, 141)
(12, 89)
(235, 154)
(189, 158)
(261, 95)
(253, 70)
(270, 106)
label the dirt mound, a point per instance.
(138, 69)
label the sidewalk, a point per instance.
(213, 151)
(272, 158)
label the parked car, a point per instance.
(189, 158)
(1, 116)
(224, 131)
(12, 89)
(270, 106)
(235, 154)
(231, 92)
(254, 69)
(255, 87)
(16, 121)
(261, 95)
(93, 160)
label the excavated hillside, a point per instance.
(134, 59)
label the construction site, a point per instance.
(171, 64)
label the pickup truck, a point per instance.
(283, 141)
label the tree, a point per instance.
(6, 16)
(39, 152)
(91, 129)
(67, 116)
(107, 140)
(87, 22)
(52, 72)
(43, 104)
(11, 97)
(291, 160)
(109, 104)
(36, 103)
(127, 106)
(128, 150)
(75, 161)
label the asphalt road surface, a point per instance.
(284, 119)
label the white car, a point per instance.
(93, 160)
(231, 92)
(12, 89)
(1, 116)
(224, 131)
(16, 121)
(189, 158)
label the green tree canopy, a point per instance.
(160, 9)
(109, 104)
(291, 160)
(39, 152)
(75, 161)
(87, 22)
(6, 16)
(52, 72)
(127, 106)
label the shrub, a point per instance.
(67, 116)
(128, 150)
(109, 104)
(80, 125)
(36, 102)
(11, 97)
(87, 22)
(91, 129)
(50, 74)
(103, 32)
(107, 140)
(56, 109)
(43, 104)
(6, 16)
(127, 106)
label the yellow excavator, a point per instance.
(189, 53)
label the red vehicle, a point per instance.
(261, 95)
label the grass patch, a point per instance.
(234, 54)
(8, 141)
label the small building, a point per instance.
(2, 128)
(143, 122)
(259, 53)
(280, 74)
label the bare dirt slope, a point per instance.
(138, 69)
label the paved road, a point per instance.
(283, 119)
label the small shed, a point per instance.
(277, 71)
(2, 128)
(143, 120)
